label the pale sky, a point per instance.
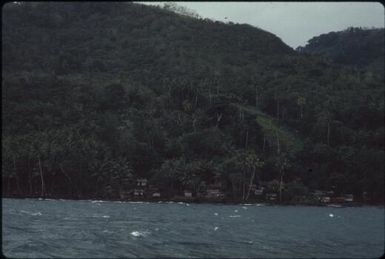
(294, 22)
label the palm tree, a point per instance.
(282, 163)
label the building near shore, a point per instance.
(188, 194)
(214, 194)
(271, 196)
(141, 182)
(138, 192)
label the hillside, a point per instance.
(361, 48)
(96, 95)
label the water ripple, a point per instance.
(79, 229)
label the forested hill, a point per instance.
(96, 95)
(111, 37)
(362, 48)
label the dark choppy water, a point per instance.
(92, 229)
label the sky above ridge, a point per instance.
(294, 22)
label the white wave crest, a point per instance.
(31, 213)
(98, 201)
(140, 233)
(101, 216)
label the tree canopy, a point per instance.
(97, 94)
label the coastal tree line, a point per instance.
(149, 93)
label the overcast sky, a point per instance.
(294, 22)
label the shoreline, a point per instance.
(205, 201)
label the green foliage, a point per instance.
(360, 47)
(96, 95)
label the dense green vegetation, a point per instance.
(96, 95)
(358, 47)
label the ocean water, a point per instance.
(34, 228)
